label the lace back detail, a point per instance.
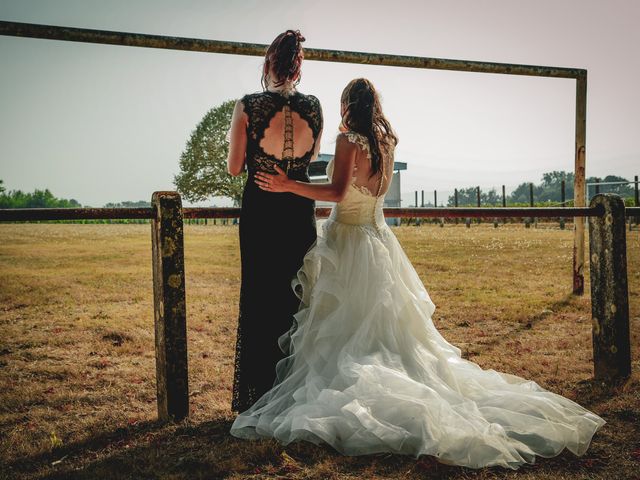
(261, 108)
(359, 140)
(287, 147)
(363, 143)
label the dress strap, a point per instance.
(360, 140)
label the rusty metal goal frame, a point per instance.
(606, 213)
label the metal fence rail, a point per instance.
(37, 214)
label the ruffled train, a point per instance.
(368, 371)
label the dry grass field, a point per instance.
(77, 371)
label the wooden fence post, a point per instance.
(609, 289)
(455, 202)
(563, 197)
(532, 219)
(636, 196)
(504, 203)
(169, 306)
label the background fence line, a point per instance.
(531, 200)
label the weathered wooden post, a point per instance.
(504, 203)
(636, 195)
(563, 197)
(609, 289)
(435, 202)
(455, 202)
(478, 200)
(579, 193)
(531, 220)
(169, 306)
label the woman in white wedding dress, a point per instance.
(367, 370)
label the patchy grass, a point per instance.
(77, 371)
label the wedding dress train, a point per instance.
(368, 371)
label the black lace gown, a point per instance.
(276, 230)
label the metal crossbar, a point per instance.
(32, 214)
(86, 35)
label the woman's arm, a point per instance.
(334, 191)
(238, 140)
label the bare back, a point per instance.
(379, 183)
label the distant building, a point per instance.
(318, 173)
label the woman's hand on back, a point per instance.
(279, 182)
(332, 191)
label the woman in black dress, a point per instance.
(278, 126)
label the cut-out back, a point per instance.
(270, 142)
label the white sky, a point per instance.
(105, 123)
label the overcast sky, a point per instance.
(105, 123)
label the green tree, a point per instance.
(469, 197)
(521, 193)
(129, 204)
(550, 190)
(203, 163)
(466, 196)
(37, 199)
(624, 190)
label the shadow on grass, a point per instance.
(206, 450)
(526, 324)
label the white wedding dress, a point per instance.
(368, 372)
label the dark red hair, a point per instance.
(284, 58)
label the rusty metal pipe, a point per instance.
(86, 35)
(34, 214)
(30, 214)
